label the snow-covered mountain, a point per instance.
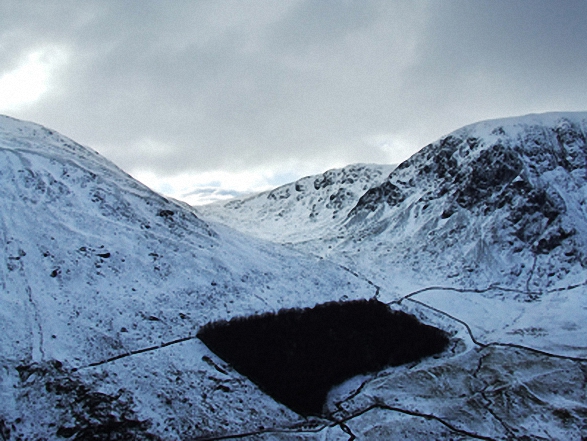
(301, 211)
(486, 225)
(105, 284)
(496, 202)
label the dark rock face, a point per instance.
(86, 414)
(492, 171)
(324, 181)
(338, 200)
(388, 193)
(279, 193)
(297, 356)
(347, 175)
(444, 164)
(485, 199)
(475, 171)
(532, 209)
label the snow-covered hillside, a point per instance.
(500, 201)
(486, 226)
(303, 210)
(499, 207)
(104, 285)
(496, 202)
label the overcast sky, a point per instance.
(226, 96)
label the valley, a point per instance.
(106, 284)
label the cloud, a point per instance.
(296, 86)
(30, 79)
(209, 186)
(485, 58)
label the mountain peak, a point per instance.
(496, 200)
(480, 160)
(105, 286)
(312, 203)
(519, 181)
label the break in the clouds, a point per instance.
(247, 93)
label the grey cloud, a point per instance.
(230, 84)
(523, 33)
(528, 51)
(323, 22)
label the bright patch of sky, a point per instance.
(211, 186)
(27, 83)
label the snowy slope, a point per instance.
(487, 228)
(500, 201)
(303, 210)
(496, 202)
(497, 207)
(104, 285)
(95, 267)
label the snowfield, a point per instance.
(104, 285)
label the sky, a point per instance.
(207, 99)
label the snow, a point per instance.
(302, 211)
(484, 228)
(104, 284)
(551, 323)
(96, 266)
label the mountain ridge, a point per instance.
(513, 165)
(518, 181)
(104, 285)
(316, 200)
(102, 276)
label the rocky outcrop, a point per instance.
(518, 182)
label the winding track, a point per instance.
(341, 417)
